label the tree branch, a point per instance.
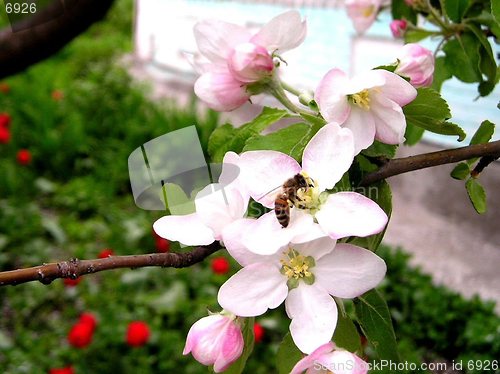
(46, 32)
(74, 268)
(404, 165)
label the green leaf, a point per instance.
(455, 9)
(400, 10)
(477, 195)
(483, 133)
(177, 201)
(346, 335)
(234, 140)
(441, 73)
(416, 35)
(495, 10)
(381, 193)
(378, 149)
(462, 58)
(248, 337)
(291, 140)
(315, 121)
(460, 171)
(429, 111)
(288, 355)
(376, 323)
(413, 134)
(390, 68)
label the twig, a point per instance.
(73, 268)
(404, 165)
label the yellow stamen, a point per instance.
(361, 99)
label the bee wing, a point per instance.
(269, 192)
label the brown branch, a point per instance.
(46, 32)
(404, 165)
(73, 268)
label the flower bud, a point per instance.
(105, 253)
(4, 135)
(249, 62)
(416, 63)
(215, 340)
(220, 265)
(66, 370)
(80, 335)
(258, 332)
(398, 27)
(23, 157)
(4, 120)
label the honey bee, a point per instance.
(290, 198)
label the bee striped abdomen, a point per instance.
(282, 210)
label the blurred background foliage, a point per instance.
(81, 115)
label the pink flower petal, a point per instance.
(331, 96)
(264, 172)
(253, 290)
(284, 32)
(328, 155)
(220, 91)
(390, 121)
(216, 39)
(362, 125)
(188, 229)
(309, 361)
(266, 236)
(396, 88)
(349, 271)
(314, 232)
(314, 316)
(350, 213)
(316, 248)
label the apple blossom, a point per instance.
(362, 13)
(304, 276)
(237, 58)
(325, 159)
(215, 340)
(398, 27)
(416, 63)
(368, 104)
(217, 206)
(330, 359)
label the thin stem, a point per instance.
(279, 93)
(404, 165)
(290, 89)
(73, 268)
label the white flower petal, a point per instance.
(265, 236)
(396, 88)
(282, 33)
(390, 121)
(349, 271)
(253, 290)
(232, 239)
(331, 96)
(362, 125)
(316, 248)
(314, 316)
(350, 213)
(188, 229)
(264, 172)
(328, 155)
(218, 205)
(216, 39)
(314, 232)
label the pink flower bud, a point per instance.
(416, 63)
(398, 27)
(215, 340)
(249, 62)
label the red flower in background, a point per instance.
(106, 253)
(69, 282)
(137, 333)
(80, 335)
(88, 319)
(4, 135)
(162, 245)
(4, 88)
(66, 370)
(23, 157)
(4, 120)
(220, 265)
(258, 332)
(57, 95)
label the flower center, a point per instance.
(297, 267)
(361, 99)
(368, 11)
(307, 197)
